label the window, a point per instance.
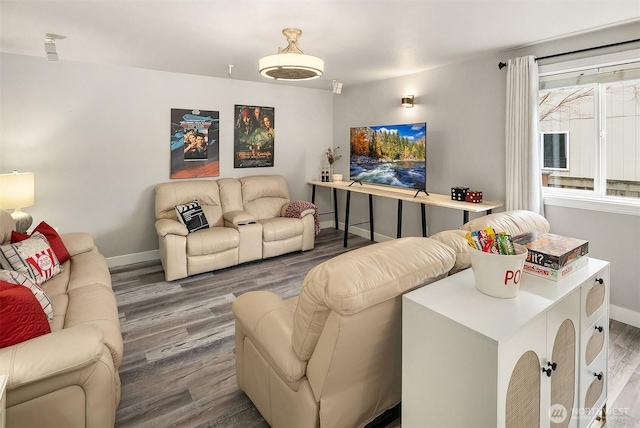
(555, 150)
(593, 103)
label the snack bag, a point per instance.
(472, 241)
(505, 244)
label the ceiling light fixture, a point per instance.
(291, 63)
(407, 101)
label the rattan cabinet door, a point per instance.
(522, 407)
(543, 385)
(520, 378)
(561, 374)
(563, 379)
(594, 347)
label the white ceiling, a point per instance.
(360, 41)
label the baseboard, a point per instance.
(128, 259)
(326, 224)
(377, 237)
(624, 315)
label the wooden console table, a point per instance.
(400, 195)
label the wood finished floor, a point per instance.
(178, 366)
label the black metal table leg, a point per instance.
(371, 217)
(465, 216)
(399, 233)
(313, 193)
(335, 207)
(346, 217)
(424, 221)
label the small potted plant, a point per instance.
(332, 156)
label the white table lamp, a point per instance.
(17, 190)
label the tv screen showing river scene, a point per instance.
(391, 155)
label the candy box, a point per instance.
(473, 196)
(459, 193)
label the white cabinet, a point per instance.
(475, 360)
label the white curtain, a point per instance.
(524, 180)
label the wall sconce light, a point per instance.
(17, 190)
(407, 101)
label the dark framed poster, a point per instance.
(254, 136)
(195, 147)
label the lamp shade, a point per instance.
(17, 190)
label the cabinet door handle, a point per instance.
(598, 375)
(599, 328)
(551, 367)
(599, 280)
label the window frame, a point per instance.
(595, 199)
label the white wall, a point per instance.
(97, 138)
(464, 107)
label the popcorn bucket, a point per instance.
(498, 275)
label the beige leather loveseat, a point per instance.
(331, 357)
(246, 219)
(69, 377)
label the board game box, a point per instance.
(555, 274)
(550, 250)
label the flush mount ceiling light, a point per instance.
(291, 63)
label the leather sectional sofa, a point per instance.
(331, 357)
(68, 378)
(247, 221)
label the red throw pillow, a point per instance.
(52, 236)
(21, 316)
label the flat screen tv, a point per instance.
(390, 155)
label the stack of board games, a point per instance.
(553, 256)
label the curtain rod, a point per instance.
(502, 65)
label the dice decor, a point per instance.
(463, 194)
(473, 196)
(459, 193)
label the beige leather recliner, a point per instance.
(266, 198)
(332, 356)
(246, 219)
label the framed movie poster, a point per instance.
(254, 136)
(194, 143)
